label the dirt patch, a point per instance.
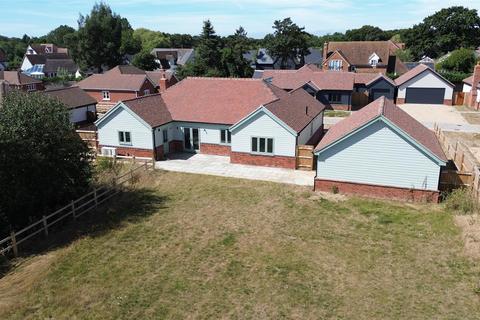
(470, 226)
(472, 118)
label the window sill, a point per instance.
(262, 154)
(126, 144)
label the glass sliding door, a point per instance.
(191, 139)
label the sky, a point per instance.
(38, 17)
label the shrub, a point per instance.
(334, 189)
(461, 201)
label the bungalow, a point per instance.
(425, 86)
(82, 106)
(249, 120)
(18, 80)
(380, 151)
(336, 90)
(363, 56)
(117, 84)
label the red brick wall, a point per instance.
(115, 96)
(374, 191)
(448, 102)
(344, 107)
(126, 151)
(261, 160)
(215, 149)
(175, 146)
(400, 100)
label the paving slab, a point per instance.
(221, 166)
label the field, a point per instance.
(184, 246)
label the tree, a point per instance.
(404, 55)
(460, 60)
(289, 42)
(44, 163)
(145, 61)
(103, 38)
(366, 33)
(444, 31)
(152, 39)
(57, 36)
(233, 61)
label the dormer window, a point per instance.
(373, 59)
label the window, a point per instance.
(373, 62)
(124, 137)
(225, 136)
(146, 92)
(106, 95)
(335, 65)
(165, 135)
(262, 145)
(334, 97)
(31, 87)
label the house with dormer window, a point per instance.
(363, 57)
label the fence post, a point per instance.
(45, 225)
(73, 210)
(114, 158)
(14, 244)
(133, 158)
(95, 197)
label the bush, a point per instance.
(454, 76)
(461, 201)
(460, 60)
(334, 189)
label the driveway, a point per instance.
(221, 166)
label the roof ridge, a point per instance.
(63, 88)
(142, 97)
(224, 78)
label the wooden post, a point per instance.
(114, 158)
(73, 210)
(14, 244)
(45, 225)
(95, 197)
(133, 159)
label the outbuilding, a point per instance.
(424, 85)
(380, 151)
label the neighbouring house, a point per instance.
(380, 151)
(20, 81)
(249, 120)
(171, 58)
(162, 79)
(429, 62)
(336, 90)
(81, 105)
(3, 60)
(117, 84)
(473, 96)
(363, 57)
(261, 60)
(424, 86)
(48, 60)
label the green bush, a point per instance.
(461, 201)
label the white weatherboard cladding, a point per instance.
(80, 114)
(262, 125)
(380, 156)
(159, 134)
(478, 95)
(310, 130)
(122, 120)
(209, 133)
(466, 87)
(26, 64)
(427, 79)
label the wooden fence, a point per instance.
(359, 99)
(468, 173)
(305, 157)
(460, 98)
(90, 137)
(148, 161)
(74, 209)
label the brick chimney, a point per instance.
(163, 82)
(472, 101)
(325, 51)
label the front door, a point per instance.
(191, 139)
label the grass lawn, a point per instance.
(204, 247)
(336, 113)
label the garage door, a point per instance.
(425, 95)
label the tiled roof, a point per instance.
(183, 55)
(415, 72)
(17, 78)
(42, 58)
(358, 52)
(151, 109)
(116, 79)
(324, 80)
(386, 108)
(156, 75)
(216, 100)
(72, 97)
(369, 78)
(54, 65)
(468, 80)
(296, 108)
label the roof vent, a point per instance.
(306, 110)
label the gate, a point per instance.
(305, 157)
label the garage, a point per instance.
(425, 95)
(423, 85)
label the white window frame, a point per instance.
(146, 92)
(228, 137)
(106, 95)
(335, 64)
(266, 146)
(122, 138)
(337, 95)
